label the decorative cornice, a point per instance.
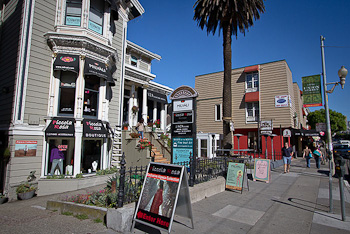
(143, 51)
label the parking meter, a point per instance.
(339, 166)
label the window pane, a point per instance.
(133, 61)
(92, 82)
(218, 112)
(96, 15)
(73, 12)
(249, 81)
(90, 102)
(67, 93)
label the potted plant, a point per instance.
(134, 135)
(125, 125)
(157, 123)
(3, 198)
(134, 109)
(25, 191)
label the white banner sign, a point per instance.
(183, 105)
(282, 101)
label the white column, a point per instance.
(44, 160)
(162, 118)
(79, 91)
(131, 102)
(144, 104)
(105, 155)
(77, 147)
(155, 117)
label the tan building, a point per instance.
(263, 93)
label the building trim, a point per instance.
(143, 51)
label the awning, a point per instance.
(94, 67)
(94, 128)
(60, 127)
(158, 97)
(251, 97)
(303, 132)
(66, 62)
(252, 68)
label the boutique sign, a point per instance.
(94, 129)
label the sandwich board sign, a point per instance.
(261, 170)
(235, 176)
(164, 193)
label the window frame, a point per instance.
(97, 101)
(66, 10)
(60, 93)
(254, 87)
(216, 112)
(255, 108)
(135, 60)
(103, 16)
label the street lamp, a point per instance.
(342, 74)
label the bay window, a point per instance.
(67, 93)
(91, 96)
(252, 111)
(96, 15)
(73, 12)
(252, 82)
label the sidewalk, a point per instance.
(296, 202)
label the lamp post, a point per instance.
(342, 74)
(238, 136)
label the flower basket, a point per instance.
(134, 109)
(25, 191)
(26, 195)
(143, 144)
(157, 123)
(134, 135)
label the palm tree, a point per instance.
(230, 16)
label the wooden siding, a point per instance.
(114, 105)
(299, 105)
(38, 80)
(275, 79)
(9, 52)
(22, 166)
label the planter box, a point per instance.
(26, 196)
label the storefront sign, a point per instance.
(183, 117)
(182, 130)
(266, 132)
(160, 195)
(312, 91)
(287, 133)
(25, 148)
(93, 67)
(262, 169)
(158, 97)
(62, 147)
(282, 101)
(182, 142)
(60, 127)
(183, 105)
(94, 129)
(66, 62)
(266, 125)
(235, 176)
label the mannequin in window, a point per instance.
(56, 158)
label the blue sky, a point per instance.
(287, 30)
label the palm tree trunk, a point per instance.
(227, 95)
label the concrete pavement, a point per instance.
(296, 202)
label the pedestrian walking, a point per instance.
(287, 153)
(307, 154)
(318, 156)
(140, 127)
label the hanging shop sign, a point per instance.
(261, 170)
(266, 125)
(60, 127)
(235, 176)
(282, 101)
(312, 91)
(96, 68)
(183, 117)
(25, 148)
(183, 105)
(182, 149)
(94, 129)
(287, 133)
(164, 193)
(158, 97)
(66, 62)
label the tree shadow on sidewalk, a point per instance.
(308, 208)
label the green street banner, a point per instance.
(312, 91)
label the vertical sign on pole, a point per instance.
(183, 127)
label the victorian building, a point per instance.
(69, 79)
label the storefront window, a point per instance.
(60, 160)
(73, 12)
(67, 93)
(91, 157)
(91, 94)
(252, 140)
(204, 148)
(96, 15)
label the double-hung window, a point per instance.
(67, 93)
(73, 12)
(218, 112)
(252, 111)
(96, 16)
(133, 61)
(252, 82)
(91, 95)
